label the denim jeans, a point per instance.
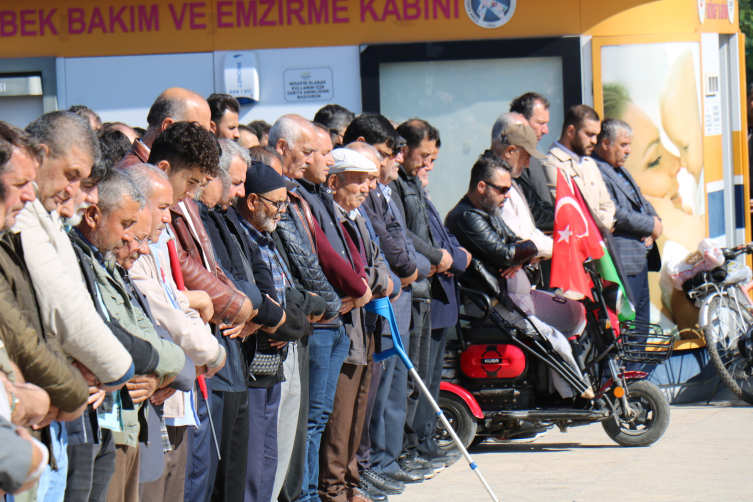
(52, 483)
(328, 349)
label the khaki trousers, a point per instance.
(124, 484)
(338, 467)
(169, 487)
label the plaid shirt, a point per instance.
(270, 254)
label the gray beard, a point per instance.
(259, 220)
(78, 215)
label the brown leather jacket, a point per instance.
(193, 249)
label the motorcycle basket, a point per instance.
(642, 342)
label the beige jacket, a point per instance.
(65, 305)
(588, 178)
(185, 325)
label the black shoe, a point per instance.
(408, 464)
(383, 483)
(437, 465)
(372, 491)
(416, 476)
(447, 457)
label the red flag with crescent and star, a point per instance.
(576, 238)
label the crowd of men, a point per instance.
(183, 306)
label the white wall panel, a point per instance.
(343, 61)
(123, 88)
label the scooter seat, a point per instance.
(485, 334)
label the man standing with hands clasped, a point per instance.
(636, 224)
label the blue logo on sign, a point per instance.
(490, 13)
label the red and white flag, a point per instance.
(576, 238)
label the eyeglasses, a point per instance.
(502, 190)
(146, 240)
(279, 205)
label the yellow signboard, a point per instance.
(75, 28)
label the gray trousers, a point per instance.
(287, 419)
(419, 353)
(90, 467)
(556, 321)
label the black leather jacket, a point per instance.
(489, 240)
(299, 249)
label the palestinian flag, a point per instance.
(577, 237)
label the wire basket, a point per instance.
(642, 342)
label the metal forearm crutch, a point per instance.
(382, 307)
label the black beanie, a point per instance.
(260, 178)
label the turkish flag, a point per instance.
(576, 238)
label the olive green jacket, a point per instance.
(37, 354)
(119, 306)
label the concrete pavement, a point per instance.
(706, 454)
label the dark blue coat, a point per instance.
(390, 234)
(232, 377)
(444, 309)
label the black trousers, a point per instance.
(230, 415)
(639, 286)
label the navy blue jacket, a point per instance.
(390, 234)
(232, 377)
(444, 308)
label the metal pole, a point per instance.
(382, 307)
(205, 395)
(448, 427)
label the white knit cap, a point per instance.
(350, 160)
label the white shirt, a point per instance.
(517, 215)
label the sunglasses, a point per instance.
(502, 190)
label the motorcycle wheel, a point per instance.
(460, 418)
(651, 421)
(724, 327)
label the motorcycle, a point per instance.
(502, 380)
(726, 319)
